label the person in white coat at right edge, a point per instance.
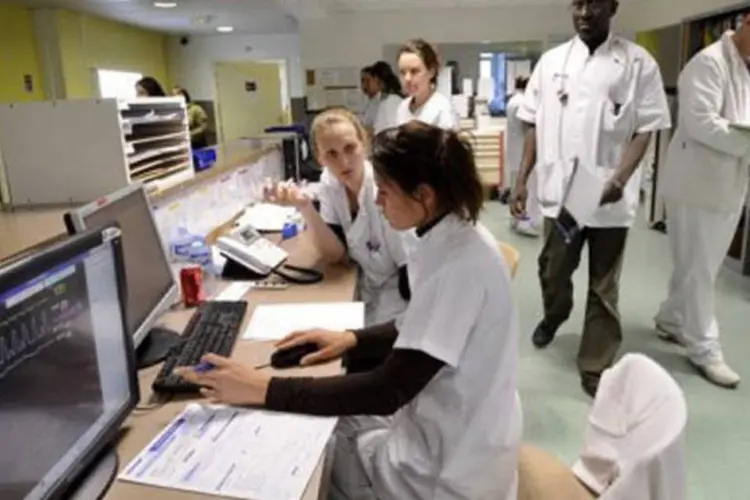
(595, 100)
(704, 185)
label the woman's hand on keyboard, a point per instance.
(331, 344)
(228, 382)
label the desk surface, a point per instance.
(144, 425)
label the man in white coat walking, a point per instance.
(594, 101)
(704, 184)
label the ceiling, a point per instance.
(247, 16)
(189, 17)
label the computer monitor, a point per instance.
(151, 285)
(67, 374)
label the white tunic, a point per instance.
(371, 242)
(388, 112)
(459, 438)
(612, 94)
(437, 111)
(371, 111)
(707, 163)
(514, 134)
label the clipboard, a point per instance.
(565, 223)
(580, 201)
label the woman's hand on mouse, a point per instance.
(229, 382)
(286, 193)
(331, 345)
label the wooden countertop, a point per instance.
(143, 425)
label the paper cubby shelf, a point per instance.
(72, 151)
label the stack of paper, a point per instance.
(234, 452)
(275, 321)
(266, 216)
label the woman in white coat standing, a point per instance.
(528, 223)
(391, 96)
(704, 185)
(440, 418)
(349, 224)
(419, 64)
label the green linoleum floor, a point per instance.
(555, 408)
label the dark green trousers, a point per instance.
(558, 260)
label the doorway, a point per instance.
(248, 98)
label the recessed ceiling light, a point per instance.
(165, 5)
(225, 29)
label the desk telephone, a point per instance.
(252, 256)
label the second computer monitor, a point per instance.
(151, 286)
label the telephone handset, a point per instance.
(251, 256)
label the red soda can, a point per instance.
(191, 284)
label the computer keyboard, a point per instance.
(212, 329)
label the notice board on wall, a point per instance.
(334, 87)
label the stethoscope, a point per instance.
(562, 77)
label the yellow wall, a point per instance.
(87, 43)
(649, 40)
(18, 55)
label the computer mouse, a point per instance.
(291, 357)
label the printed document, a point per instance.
(583, 194)
(234, 452)
(266, 217)
(276, 321)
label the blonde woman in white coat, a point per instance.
(349, 224)
(704, 184)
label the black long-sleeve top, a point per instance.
(380, 391)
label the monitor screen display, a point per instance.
(64, 372)
(149, 276)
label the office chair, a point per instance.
(633, 446)
(512, 257)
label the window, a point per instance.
(117, 83)
(493, 65)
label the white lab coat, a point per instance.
(707, 162)
(514, 136)
(371, 242)
(704, 184)
(371, 111)
(514, 141)
(387, 116)
(437, 111)
(634, 444)
(612, 94)
(459, 438)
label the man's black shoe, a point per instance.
(590, 384)
(543, 335)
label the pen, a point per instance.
(203, 367)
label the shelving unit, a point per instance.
(65, 152)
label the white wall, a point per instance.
(191, 65)
(356, 39)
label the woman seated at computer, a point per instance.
(349, 224)
(450, 375)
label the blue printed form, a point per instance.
(234, 452)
